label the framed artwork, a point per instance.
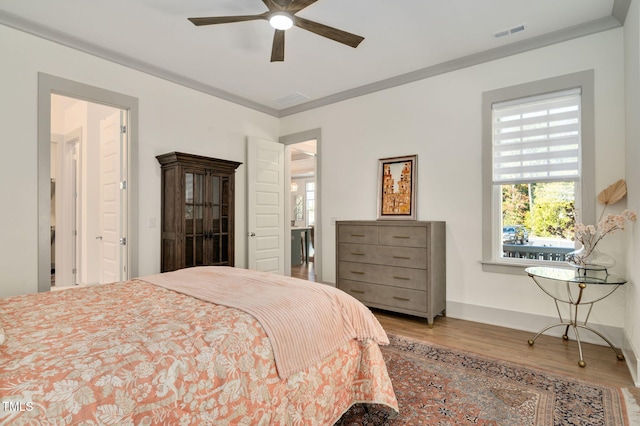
(397, 180)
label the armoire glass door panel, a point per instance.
(215, 219)
(188, 188)
(216, 194)
(215, 189)
(225, 191)
(224, 204)
(199, 216)
(194, 218)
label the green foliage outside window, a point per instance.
(546, 209)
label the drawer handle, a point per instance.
(402, 257)
(357, 254)
(358, 291)
(357, 235)
(404, 299)
(406, 237)
(401, 278)
(357, 272)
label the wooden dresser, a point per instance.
(391, 265)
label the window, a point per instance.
(310, 188)
(535, 154)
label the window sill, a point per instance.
(514, 267)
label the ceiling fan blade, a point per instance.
(328, 32)
(270, 5)
(297, 5)
(226, 19)
(277, 51)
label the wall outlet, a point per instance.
(152, 222)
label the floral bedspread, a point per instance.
(136, 354)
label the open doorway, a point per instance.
(88, 207)
(48, 85)
(303, 154)
(302, 165)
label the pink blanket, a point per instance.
(305, 321)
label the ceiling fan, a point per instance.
(281, 16)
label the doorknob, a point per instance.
(99, 237)
(253, 234)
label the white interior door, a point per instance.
(265, 205)
(66, 208)
(110, 198)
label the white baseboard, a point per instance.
(534, 323)
(631, 357)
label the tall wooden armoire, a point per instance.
(197, 211)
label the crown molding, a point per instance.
(58, 37)
(593, 27)
(620, 10)
(616, 20)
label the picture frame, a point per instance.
(397, 188)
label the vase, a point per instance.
(590, 258)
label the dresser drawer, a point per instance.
(415, 279)
(408, 257)
(362, 234)
(386, 297)
(405, 236)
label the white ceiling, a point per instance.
(404, 41)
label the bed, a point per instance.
(206, 345)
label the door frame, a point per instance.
(291, 139)
(47, 85)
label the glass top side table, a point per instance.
(567, 286)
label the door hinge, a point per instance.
(123, 184)
(73, 271)
(123, 241)
(123, 129)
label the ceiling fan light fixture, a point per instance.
(281, 20)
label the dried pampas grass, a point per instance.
(613, 193)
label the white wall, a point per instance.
(172, 118)
(632, 91)
(439, 119)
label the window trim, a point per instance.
(583, 80)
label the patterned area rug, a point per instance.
(441, 386)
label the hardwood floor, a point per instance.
(305, 271)
(549, 353)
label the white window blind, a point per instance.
(537, 138)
